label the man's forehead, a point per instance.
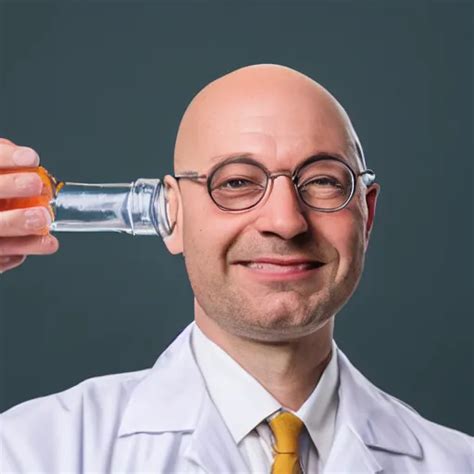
(256, 123)
(272, 140)
(256, 136)
(273, 124)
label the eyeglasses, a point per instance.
(325, 184)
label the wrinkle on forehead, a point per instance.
(269, 108)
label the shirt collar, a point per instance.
(231, 387)
(227, 382)
(318, 412)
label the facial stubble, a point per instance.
(284, 311)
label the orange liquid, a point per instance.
(49, 191)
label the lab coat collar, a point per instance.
(170, 396)
(370, 414)
(366, 422)
(173, 398)
(212, 445)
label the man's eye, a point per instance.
(323, 181)
(237, 183)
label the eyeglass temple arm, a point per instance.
(190, 175)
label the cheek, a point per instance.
(344, 231)
(207, 234)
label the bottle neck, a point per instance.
(137, 208)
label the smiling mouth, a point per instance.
(282, 268)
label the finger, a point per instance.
(14, 156)
(8, 263)
(29, 245)
(20, 185)
(18, 222)
(7, 141)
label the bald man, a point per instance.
(272, 205)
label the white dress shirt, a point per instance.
(245, 405)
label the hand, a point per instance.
(19, 236)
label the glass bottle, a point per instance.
(136, 208)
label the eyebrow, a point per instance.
(228, 157)
(251, 157)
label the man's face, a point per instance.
(280, 134)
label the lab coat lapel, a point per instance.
(368, 428)
(169, 397)
(349, 454)
(212, 445)
(173, 398)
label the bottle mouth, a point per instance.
(161, 212)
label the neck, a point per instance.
(289, 370)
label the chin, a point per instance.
(269, 327)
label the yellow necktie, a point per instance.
(286, 429)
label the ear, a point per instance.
(371, 199)
(174, 242)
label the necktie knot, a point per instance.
(286, 429)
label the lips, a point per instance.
(273, 269)
(281, 265)
(279, 268)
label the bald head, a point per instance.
(269, 99)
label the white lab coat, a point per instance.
(161, 420)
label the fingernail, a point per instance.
(27, 183)
(37, 218)
(47, 240)
(25, 156)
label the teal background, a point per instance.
(98, 88)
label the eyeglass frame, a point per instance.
(368, 176)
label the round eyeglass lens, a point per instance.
(237, 186)
(325, 184)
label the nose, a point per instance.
(281, 213)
